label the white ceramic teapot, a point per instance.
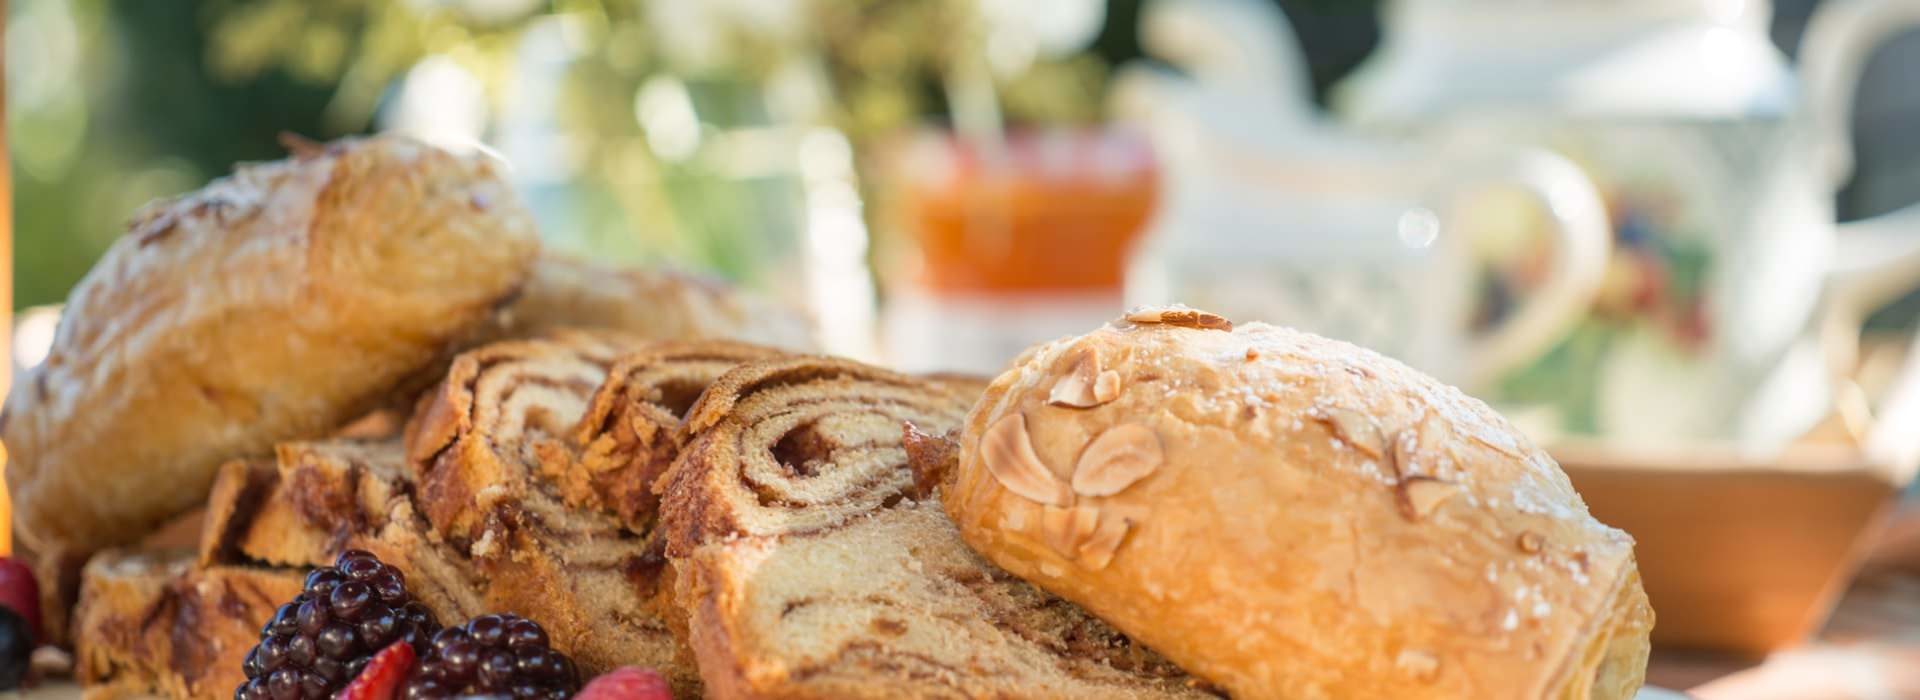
(1267, 213)
(1718, 164)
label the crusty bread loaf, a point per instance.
(809, 570)
(151, 624)
(485, 447)
(970, 386)
(274, 304)
(630, 432)
(650, 303)
(1294, 517)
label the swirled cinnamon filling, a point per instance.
(817, 561)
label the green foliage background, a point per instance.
(118, 102)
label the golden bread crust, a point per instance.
(807, 569)
(968, 385)
(276, 303)
(1290, 516)
(649, 303)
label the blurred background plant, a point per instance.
(639, 130)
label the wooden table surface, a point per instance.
(1869, 649)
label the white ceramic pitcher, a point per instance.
(1269, 214)
(1718, 165)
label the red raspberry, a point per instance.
(19, 593)
(384, 673)
(627, 683)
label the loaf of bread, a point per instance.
(1293, 517)
(810, 567)
(487, 448)
(276, 303)
(968, 385)
(651, 303)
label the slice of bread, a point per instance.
(810, 568)
(317, 499)
(631, 430)
(153, 624)
(483, 447)
(178, 624)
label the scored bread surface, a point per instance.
(651, 303)
(811, 568)
(273, 304)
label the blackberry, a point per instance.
(16, 649)
(497, 655)
(314, 645)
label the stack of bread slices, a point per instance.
(500, 425)
(363, 348)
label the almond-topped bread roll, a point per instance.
(1294, 517)
(810, 566)
(274, 304)
(488, 448)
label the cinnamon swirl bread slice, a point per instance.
(483, 447)
(297, 508)
(320, 498)
(177, 625)
(631, 431)
(810, 569)
(151, 624)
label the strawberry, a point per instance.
(382, 676)
(19, 593)
(627, 683)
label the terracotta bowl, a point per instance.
(1739, 553)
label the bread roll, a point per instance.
(1293, 517)
(276, 303)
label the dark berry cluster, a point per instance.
(316, 644)
(502, 655)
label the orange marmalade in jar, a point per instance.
(1015, 242)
